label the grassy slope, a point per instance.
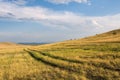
(92, 58)
(99, 38)
(97, 57)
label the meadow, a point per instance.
(91, 58)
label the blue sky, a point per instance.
(56, 20)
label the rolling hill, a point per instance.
(111, 37)
(6, 44)
(91, 58)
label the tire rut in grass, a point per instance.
(76, 61)
(53, 64)
(60, 58)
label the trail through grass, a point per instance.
(91, 58)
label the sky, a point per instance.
(56, 20)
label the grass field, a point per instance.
(91, 58)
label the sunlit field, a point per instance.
(91, 58)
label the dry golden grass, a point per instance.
(91, 58)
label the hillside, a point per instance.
(111, 37)
(7, 44)
(92, 58)
(7, 47)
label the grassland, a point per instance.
(91, 58)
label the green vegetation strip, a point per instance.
(55, 63)
(60, 58)
(99, 64)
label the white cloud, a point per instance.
(96, 23)
(18, 2)
(67, 1)
(62, 20)
(53, 18)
